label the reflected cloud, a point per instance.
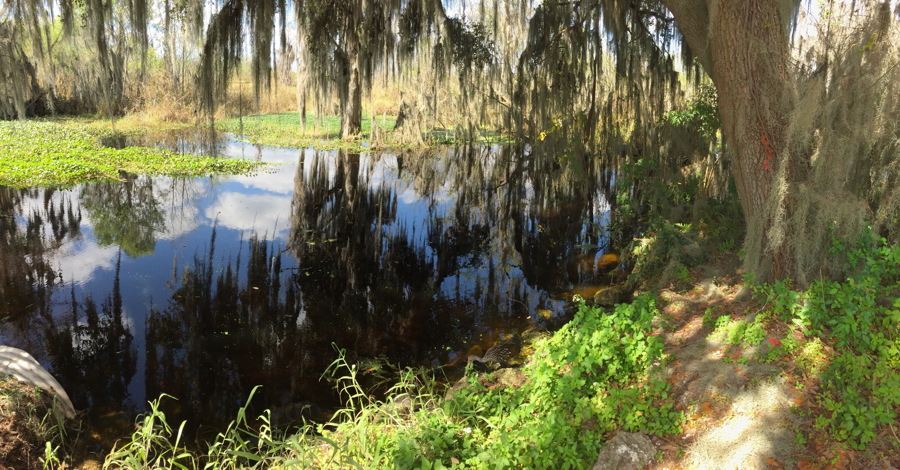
(263, 213)
(280, 180)
(90, 257)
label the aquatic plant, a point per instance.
(37, 153)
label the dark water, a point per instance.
(204, 288)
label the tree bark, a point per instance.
(351, 102)
(747, 60)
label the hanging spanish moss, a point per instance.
(845, 128)
(221, 54)
(798, 115)
(76, 67)
(346, 43)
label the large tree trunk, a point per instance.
(351, 99)
(748, 62)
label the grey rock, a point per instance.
(510, 377)
(626, 451)
(21, 365)
(610, 296)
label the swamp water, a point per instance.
(204, 288)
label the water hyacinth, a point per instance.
(38, 153)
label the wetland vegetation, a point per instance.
(54, 154)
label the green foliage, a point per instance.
(702, 114)
(152, 445)
(710, 317)
(664, 257)
(39, 153)
(860, 316)
(682, 274)
(591, 377)
(810, 358)
(243, 445)
(470, 45)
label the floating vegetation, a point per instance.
(37, 153)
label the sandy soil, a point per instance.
(742, 413)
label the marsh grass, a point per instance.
(322, 132)
(39, 153)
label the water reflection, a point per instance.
(211, 286)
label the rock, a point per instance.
(610, 296)
(510, 377)
(22, 366)
(459, 385)
(626, 451)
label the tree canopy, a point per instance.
(791, 101)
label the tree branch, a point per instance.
(692, 18)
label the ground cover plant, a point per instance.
(843, 336)
(37, 153)
(589, 378)
(860, 317)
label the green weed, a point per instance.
(860, 317)
(589, 378)
(38, 153)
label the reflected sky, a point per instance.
(203, 288)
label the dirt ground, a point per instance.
(742, 413)
(22, 409)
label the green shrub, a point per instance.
(860, 317)
(589, 378)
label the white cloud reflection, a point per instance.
(262, 213)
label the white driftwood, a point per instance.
(22, 366)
